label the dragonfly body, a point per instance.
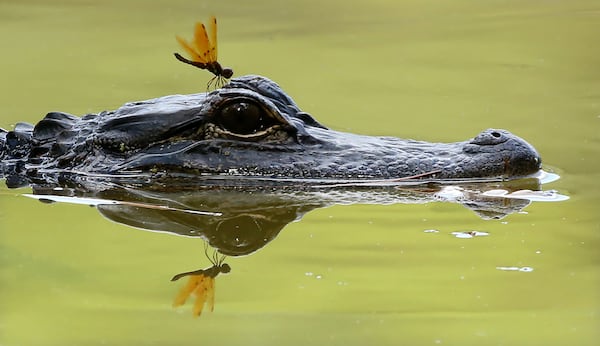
(211, 272)
(214, 67)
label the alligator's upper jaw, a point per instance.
(349, 159)
(492, 155)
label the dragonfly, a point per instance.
(203, 52)
(201, 283)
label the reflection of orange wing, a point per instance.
(210, 299)
(203, 287)
(202, 43)
(186, 290)
(202, 292)
(213, 38)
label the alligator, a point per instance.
(248, 131)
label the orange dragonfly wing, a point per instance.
(191, 51)
(186, 290)
(201, 293)
(202, 43)
(210, 299)
(213, 38)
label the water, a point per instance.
(419, 274)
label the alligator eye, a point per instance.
(244, 118)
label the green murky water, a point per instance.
(347, 274)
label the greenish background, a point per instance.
(432, 70)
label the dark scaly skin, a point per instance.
(248, 129)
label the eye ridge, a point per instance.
(244, 117)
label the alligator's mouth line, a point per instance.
(236, 180)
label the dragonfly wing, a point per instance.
(189, 49)
(202, 43)
(213, 38)
(201, 293)
(211, 295)
(186, 290)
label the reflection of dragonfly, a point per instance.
(202, 283)
(203, 52)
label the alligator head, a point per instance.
(248, 129)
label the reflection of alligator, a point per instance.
(241, 221)
(248, 129)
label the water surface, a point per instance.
(346, 274)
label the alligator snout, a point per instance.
(504, 152)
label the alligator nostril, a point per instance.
(496, 134)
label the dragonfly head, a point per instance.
(224, 268)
